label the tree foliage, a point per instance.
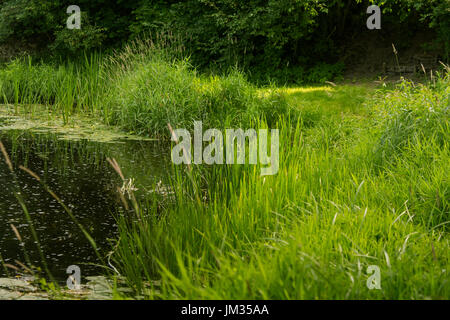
(275, 33)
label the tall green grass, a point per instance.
(140, 89)
(64, 89)
(311, 231)
(361, 182)
(150, 89)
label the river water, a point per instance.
(79, 174)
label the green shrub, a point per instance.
(325, 72)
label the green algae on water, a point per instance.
(80, 127)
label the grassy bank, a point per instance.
(363, 180)
(139, 89)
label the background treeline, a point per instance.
(260, 35)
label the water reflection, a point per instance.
(77, 171)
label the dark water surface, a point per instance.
(77, 171)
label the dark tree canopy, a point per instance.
(264, 33)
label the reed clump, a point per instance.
(139, 88)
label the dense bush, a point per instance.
(43, 23)
(269, 35)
